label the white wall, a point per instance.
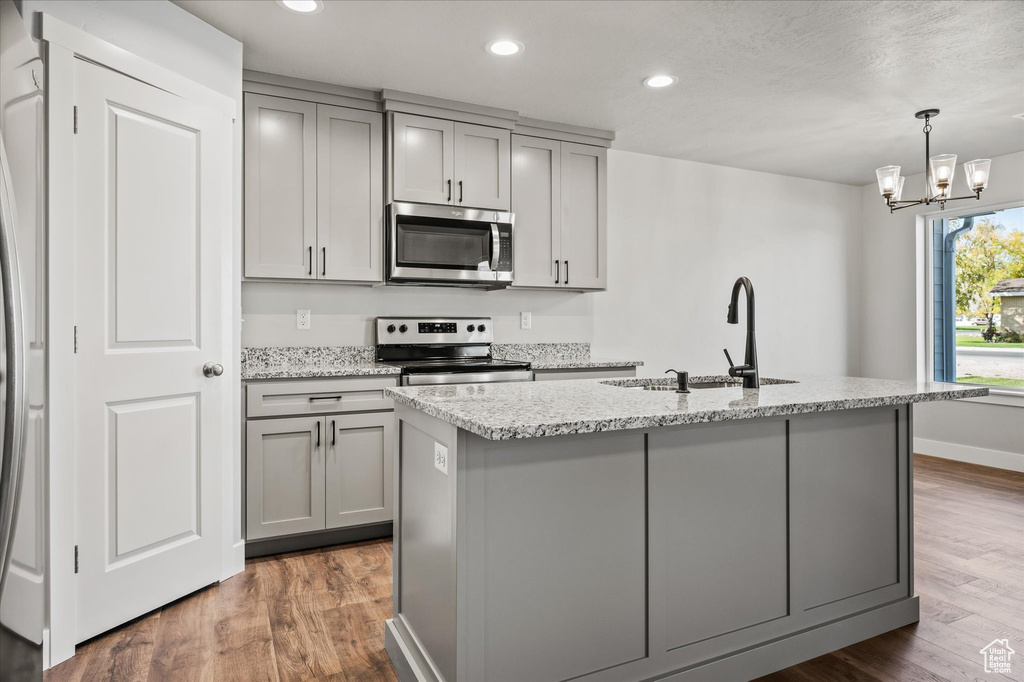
(679, 235)
(895, 331)
(343, 315)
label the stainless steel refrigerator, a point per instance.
(23, 480)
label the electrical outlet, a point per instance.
(525, 321)
(441, 458)
(302, 319)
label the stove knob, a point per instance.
(403, 329)
(391, 329)
(482, 328)
(471, 328)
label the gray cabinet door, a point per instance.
(280, 187)
(718, 536)
(284, 476)
(584, 216)
(350, 194)
(360, 452)
(849, 528)
(537, 205)
(482, 161)
(423, 167)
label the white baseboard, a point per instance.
(999, 459)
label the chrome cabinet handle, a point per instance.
(334, 433)
(212, 369)
(566, 272)
(318, 434)
(558, 271)
(449, 190)
(310, 261)
(314, 398)
(323, 271)
(460, 191)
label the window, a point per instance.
(978, 298)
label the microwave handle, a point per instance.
(495, 247)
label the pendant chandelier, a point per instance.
(938, 175)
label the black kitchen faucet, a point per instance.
(748, 370)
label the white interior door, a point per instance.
(152, 199)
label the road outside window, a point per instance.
(979, 298)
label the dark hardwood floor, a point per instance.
(319, 614)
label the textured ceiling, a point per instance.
(823, 90)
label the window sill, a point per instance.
(1001, 396)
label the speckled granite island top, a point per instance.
(555, 408)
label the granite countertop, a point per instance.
(302, 362)
(299, 362)
(554, 408)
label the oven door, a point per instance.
(439, 244)
(483, 377)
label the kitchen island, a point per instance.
(600, 531)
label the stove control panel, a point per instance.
(433, 330)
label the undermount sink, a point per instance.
(692, 385)
(699, 383)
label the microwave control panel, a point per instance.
(505, 250)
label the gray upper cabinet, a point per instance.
(423, 167)
(537, 205)
(280, 187)
(584, 216)
(436, 161)
(359, 474)
(350, 194)
(559, 198)
(284, 477)
(482, 162)
(314, 191)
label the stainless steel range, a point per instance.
(444, 350)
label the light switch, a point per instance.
(302, 319)
(525, 321)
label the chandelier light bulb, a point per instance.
(943, 167)
(888, 176)
(976, 174)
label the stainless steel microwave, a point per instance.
(449, 246)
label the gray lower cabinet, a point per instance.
(284, 484)
(559, 198)
(319, 455)
(359, 474)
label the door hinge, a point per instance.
(76, 119)
(76, 338)
(76, 558)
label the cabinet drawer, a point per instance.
(320, 396)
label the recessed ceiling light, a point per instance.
(504, 48)
(660, 81)
(303, 6)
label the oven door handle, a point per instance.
(495, 247)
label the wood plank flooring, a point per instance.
(318, 615)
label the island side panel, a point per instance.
(424, 569)
(719, 537)
(556, 565)
(851, 524)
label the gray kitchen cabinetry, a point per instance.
(280, 187)
(314, 200)
(436, 161)
(327, 465)
(559, 198)
(284, 476)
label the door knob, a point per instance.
(212, 369)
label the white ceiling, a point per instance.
(823, 90)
